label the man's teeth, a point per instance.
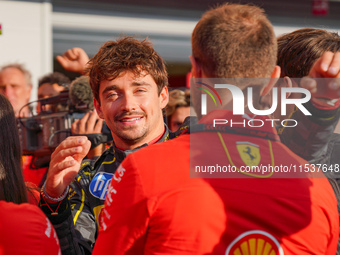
(132, 119)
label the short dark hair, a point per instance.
(53, 78)
(235, 41)
(126, 54)
(298, 50)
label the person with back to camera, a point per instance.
(129, 83)
(178, 207)
(20, 222)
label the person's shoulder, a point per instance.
(89, 167)
(24, 227)
(167, 148)
(154, 160)
(22, 216)
(322, 194)
(26, 209)
(86, 172)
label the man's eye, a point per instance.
(112, 95)
(141, 90)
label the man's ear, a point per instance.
(164, 97)
(287, 84)
(98, 108)
(29, 92)
(273, 79)
(196, 70)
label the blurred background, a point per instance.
(35, 32)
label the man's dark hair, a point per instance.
(297, 51)
(53, 78)
(126, 54)
(12, 186)
(235, 41)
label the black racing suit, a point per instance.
(77, 220)
(313, 139)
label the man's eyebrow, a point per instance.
(140, 83)
(112, 87)
(135, 83)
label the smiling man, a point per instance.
(129, 83)
(128, 104)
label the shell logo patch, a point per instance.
(249, 153)
(255, 242)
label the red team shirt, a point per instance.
(156, 206)
(24, 229)
(32, 175)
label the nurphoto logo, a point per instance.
(279, 98)
(238, 99)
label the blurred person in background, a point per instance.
(51, 85)
(16, 85)
(90, 124)
(178, 108)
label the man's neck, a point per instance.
(123, 145)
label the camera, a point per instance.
(42, 133)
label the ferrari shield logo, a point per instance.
(249, 152)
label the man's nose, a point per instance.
(128, 103)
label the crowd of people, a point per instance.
(148, 191)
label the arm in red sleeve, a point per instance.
(125, 216)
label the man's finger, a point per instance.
(71, 55)
(91, 122)
(99, 126)
(321, 66)
(334, 66)
(309, 83)
(75, 127)
(82, 123)
(63, 62)
(69, 142)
